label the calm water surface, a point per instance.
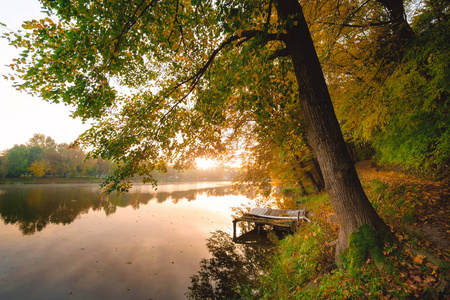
(67, 242)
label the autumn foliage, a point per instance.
(299, 89)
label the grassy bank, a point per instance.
(416, 267)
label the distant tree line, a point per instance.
(42, 156)
(219, 173)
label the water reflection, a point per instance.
(232, 269)
(145, 253)
(33, 207)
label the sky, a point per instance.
(22, 115)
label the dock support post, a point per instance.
(234, 229)
(258, 227)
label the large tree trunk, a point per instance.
(347, 196)
(399, 25)
(318, 185)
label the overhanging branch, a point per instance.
(194, 79)
(129, 24)
(279, 53)
(358, 25)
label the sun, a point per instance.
(205, 163)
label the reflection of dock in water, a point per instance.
(254, 237)
(279, 219)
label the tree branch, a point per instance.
(179, 25)
(247, 35)
(279, 53)
(130, 23)
(194, 79)
(357, 25)
(266, 25)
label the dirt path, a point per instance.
(430, 200)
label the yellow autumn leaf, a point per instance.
(419, 259)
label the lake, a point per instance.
(65, 241)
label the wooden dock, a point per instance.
(278, 218)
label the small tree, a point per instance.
(17, 160)
(39, 168)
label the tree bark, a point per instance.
(397, 15)
(302, 188)
(299, 181)
(352, 151)
(316, 187)
(347, 196)
(319, 175)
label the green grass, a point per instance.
(304, 267)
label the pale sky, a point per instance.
(22, 115)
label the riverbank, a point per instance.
(50, 180)
(68, 180)
(417, 267)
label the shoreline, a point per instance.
(13, 181)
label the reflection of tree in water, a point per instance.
(232, 269)
(191, 195)
(32, 209)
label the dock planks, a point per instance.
(281, 218)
